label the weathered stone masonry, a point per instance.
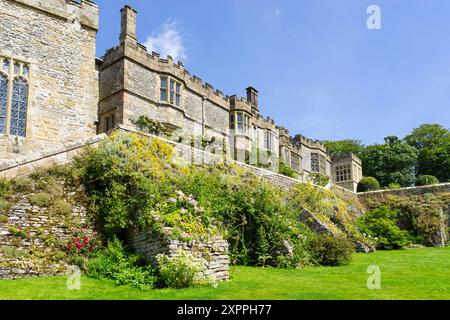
(57, 40)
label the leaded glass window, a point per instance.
(19, 107)
(5, 65)
(170, 91)
(14, 75)
(3, 102)
(268, 139)
(242, 124)
(315, 162)
(343, 173)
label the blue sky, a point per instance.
(319, 70)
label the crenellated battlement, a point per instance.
(309, 143)
(153, 61)
(85, 11)
(346, 157)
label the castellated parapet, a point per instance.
(70, 95)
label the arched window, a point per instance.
(3, 102)
(19, 107)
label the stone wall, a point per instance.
(214, 252)
(429, 204)
(435, 189)
(57, 40)
(38, 251)
(43, 159)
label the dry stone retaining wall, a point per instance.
(37, 252)
(214, 251)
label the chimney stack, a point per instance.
(252, 96)
(128, 24)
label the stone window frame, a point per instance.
(287, 155)
(315, 162)
(240, 126)
(343, 172)
(318, 163)
(296, 161)
(109, 119)
(268, 139)
(17, 69)
(173, 94)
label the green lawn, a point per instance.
(405, 274)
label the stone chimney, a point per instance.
(252, 96)
(128, 24)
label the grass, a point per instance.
(405, 274)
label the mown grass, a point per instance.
(405, 274)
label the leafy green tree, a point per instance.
(391, 162)
(344, 146)
(433, 143)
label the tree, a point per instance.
(344, 146)
(391, 162)
(433, 144)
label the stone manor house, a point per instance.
(53, 92)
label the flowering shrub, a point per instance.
(178, 271)
(130, 183)
(82, 243)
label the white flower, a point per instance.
(173, 200)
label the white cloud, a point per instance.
(273, 15)
(167, 40)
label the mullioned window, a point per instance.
(14, 89)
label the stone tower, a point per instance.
(48, 80)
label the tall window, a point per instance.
(110, 121)
(3, 102)
(13, 103)
(295, 162)
(241, 122)
(318, 163)
(268, 139)
(19, 107)
(315, 162)
(343, 173)
(170, 91)
(287, 156)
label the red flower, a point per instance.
(79, 246)
(70, 246)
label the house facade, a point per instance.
(54, 91)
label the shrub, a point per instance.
(22, 185)
(255, 215)
(178, 271)
(381, 225)
(41, 199)
(82, 244)
(4, 205)
(393, 186)
(17, 232)
(124, 268)
(426, 180)
(151, 126)
(5, 187)
(3, 218)
(368, 184)
(332, 251)
(61, 207)
(319, 179)
(287, 171)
